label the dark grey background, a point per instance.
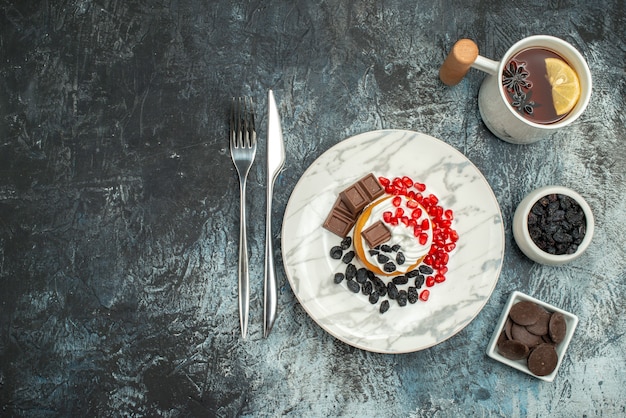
(119, 204)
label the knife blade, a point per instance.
(275, 162)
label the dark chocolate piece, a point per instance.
(541, 326)
(542, 360)
(557, 327)
(372, 187)
(525, 313)
(513, 350)
(522, 335)
(341, 207)
(338, 223)
(355, 198)
(376, 234)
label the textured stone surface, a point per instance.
(119, 204)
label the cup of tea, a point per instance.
(540, 85)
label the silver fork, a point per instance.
(242, 151)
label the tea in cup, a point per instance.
(541, 84)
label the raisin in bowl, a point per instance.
(553, 225)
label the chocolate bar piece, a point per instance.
(376, 234)
(372, 187)
(338, 223)
(355, 198)
(341, 207)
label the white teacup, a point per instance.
(496, 111)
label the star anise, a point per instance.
(522, 102)
(514, 77)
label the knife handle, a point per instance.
(270, 293)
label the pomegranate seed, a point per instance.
(397, 181)
(443, 270)
(449, 214)
(450, 246)
(419, 197)
(407, 181)
(412, 223)
(439, 278)
(423, 238)
(445, 223)
(425, 224)
(393, 221)
(454, 236)
(439, 243)
(444, 258)
(430, 281)
(411, 195)
(420, 186)
(396, 201)
(432, 251)
(428, 260)
(433, 199)
(416, 231)
(412, 204)
(438, 212)
(389, 189)
(424, 295)
(436, 264)
(384, 181)
(405, 220)
(399, 212)
(403, 190)
(416, 214)
(387, 215)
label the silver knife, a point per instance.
(275, 162)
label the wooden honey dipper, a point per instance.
(458, 62)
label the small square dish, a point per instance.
(533, 335)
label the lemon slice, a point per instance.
(565, 85)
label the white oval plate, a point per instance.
(474, 266)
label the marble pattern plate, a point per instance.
(474, 266)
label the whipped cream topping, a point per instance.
(401, 234)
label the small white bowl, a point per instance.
(571, 321)
(522, 236)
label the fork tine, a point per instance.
(239, 129)
(252, 129)
(242, 124)
(233, 124)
